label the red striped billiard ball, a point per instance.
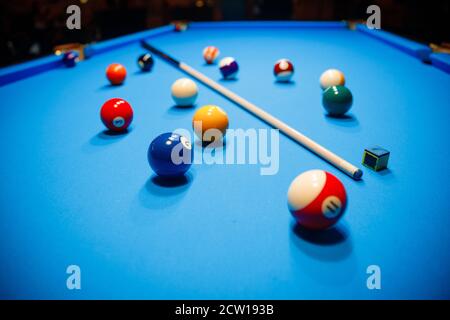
(283, 70)
(116, 73)
(317, 199)
(116, 114)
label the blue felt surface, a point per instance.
(70, 194)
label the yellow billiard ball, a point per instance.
(210, 117)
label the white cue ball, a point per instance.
(332, 77)
(184, 92)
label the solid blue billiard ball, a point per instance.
(170, 155)
(70, 58)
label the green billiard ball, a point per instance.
(337, 100)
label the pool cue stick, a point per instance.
(295, 135)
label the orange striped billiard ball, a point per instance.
(210, 54)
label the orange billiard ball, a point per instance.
(116, 114)
(116, 73)
(210, 117)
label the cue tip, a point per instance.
(357, 175)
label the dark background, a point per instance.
(31, 28)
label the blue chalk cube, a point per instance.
(376, 158)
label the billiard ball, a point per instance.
(116, 73)
(332, 77)
(207, 118)
(146, 62)
(70, 58)
(116, 114)
(210, 54)
(337, 100)
(317, 199)
(180, 26)
(184, 92)
(170, 155)
(228, 67)
(283, 70)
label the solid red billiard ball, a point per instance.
(116, 73)
(317, 199)
(116, 114)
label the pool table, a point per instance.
(71, 193)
